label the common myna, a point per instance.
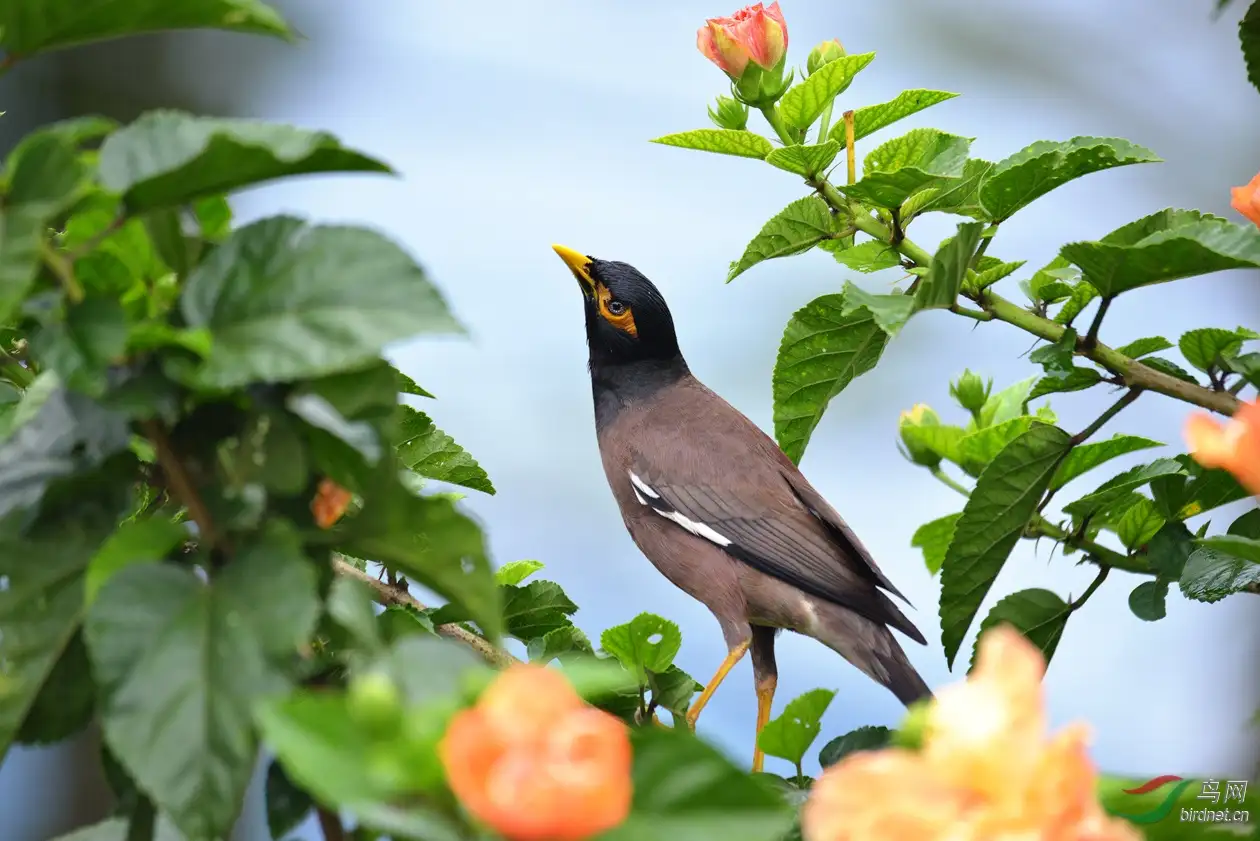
(718, 508)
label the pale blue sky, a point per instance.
(514, 127)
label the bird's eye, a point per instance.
(616, 307)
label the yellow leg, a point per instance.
(765, 699)
(736, 654)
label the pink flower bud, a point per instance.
(754, 33)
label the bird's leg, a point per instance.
(766, 679)
(735, 654)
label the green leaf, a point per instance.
(822, 351)
(685, 790)
(1040, 615)
(84, 344)
(863, 738)
(1142, 347)
(1170, 548)
(1037, 169)
(1005, 497)
(1082, 294)
(558, 642)
(1180, 497)
(1147, 601)
(31, 26)
(69, 434)
(1077, 379)
(871, 118)
(1247, 366)
(169, 158)
(939, 290)
(1239, 546)
(903, 165)
(1164, 246)
(40, 608)
(398, 621)
(1056, 359)
(804, 102)
(991, 275)
(181, 664)
(958, 195)
(135, 542)
(1139, 523)
(977, 449)
(869, 256)
(944, 440)
(406, 385)
(515, 572)
(432, 543)
(797, 228)
(934, 539)
(285, 300)
(1086, 457)
(432, 453)
(1248, 525)
(806, 161)
(743, 144)
(646, 642)
(350, 605)
(891, 312)
(116, 829)
(1210, 347)
(790, 735)
(1212, 572)
(287, 805)
(536, 609)
(1172, 369)
(66, 703)
(1119, 486)
(1007, 404)
(1249, 38)
(673, 690)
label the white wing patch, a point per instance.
(646, 496)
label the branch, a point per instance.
(1134, 373)
(387, 594)
(1113, 410)
(181, 483)
(1091, 338)
(1076, 604)
(1039, 526)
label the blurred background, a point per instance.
(515, 126)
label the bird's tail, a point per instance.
(871, 647)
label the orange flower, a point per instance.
(986, 772)
(535, 763)
(1234, 446)
(1246, 200)
(329, 504)
(753, 34)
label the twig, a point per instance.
(949, 482)
(1116, 408)
(63, 269)
(330, 825)
(967, 312)
(181, 483)
(1091, 338)
(387, 595)
(1090, 590)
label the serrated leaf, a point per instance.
(993, 274)
(1006, 404)
(646, 642)
(1148, 600)
(1077, 379)
(1248, 525)
(806, 161)
(673, 690)
(871, 118)
(822, 351)
(943, 439)
(535, 609)
(863, 738)
(406, 385)
(1139, 523)
(939, 289)
(284, 300)
(804, 102)
(1172, 369)
(1249, 38)
(904, 165)
(82, 345)
(797, 228)
(1046, 275)
(1117, 487)
(790, 735)
(1035, 170)
(432, 453)
(743, 144)
(1005, 497)
(1040, 615)
(1164, 246)
(31, 26)
(978, 448)
(169, 158)
(1211, 574)
(866, 257)
(558, 642)
(1057, 358)
(1209, 347)
(135, 542)
(891, 312)
(1240, 546)
(960, 195)
(1169, 549)
(66, 703)
(515, 572)
(287, 805)
(1143, 347)
(934, 539)
(1247, 366)
(1082, 294)
(350, 605)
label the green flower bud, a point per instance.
(918, 416)
(913, 727)
(970, 391)
(375, 703)
(824, 53)
(729, 114)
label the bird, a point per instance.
(718, 508)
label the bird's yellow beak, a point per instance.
(579, 264)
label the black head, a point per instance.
(627, 321)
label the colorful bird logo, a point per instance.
(1158, 813)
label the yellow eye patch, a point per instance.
(624, 320)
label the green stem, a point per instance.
(1091, 338)
(1096, 552)
(1113, 410)
(776, 122)
(949, 482)
(1090, 590)
(984, 246)
(63, 269)
(16, 374)
(824, 122)
(978, 315)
